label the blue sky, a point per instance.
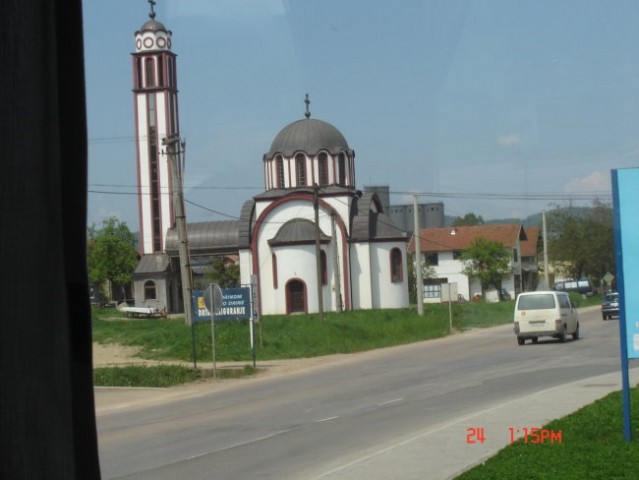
(498, 107)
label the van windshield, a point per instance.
(536, 302)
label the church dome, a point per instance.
(309, 136)
(152, 25)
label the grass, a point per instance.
(300, 336)
(160, 376)
(592, 447)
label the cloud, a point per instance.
(509, 140)
(594, 182)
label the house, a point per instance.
(441, 249)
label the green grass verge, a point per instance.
(592, 448)
(161, 375)
(297, 336)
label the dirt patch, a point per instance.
(114, 355)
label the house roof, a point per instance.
(459, 238)
(529, 246)
(152, 263)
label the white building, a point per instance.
(357, 258)
(310, 170)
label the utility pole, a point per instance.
(338, 283)
(418, 260)
(177, 168)
(545, 240)
(318, 259)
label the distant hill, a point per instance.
(533, 220)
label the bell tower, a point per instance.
(156, 118)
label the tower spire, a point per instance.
(152, 12)
(307, 114)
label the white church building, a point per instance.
(310, 239)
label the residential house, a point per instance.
(441, 250)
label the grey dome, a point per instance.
(309, 136)
(152, 26)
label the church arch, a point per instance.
(296, 298)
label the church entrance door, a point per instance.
(295, 297)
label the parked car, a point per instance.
(610, 305)
(545, 313)
(582, 287)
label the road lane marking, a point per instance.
(326, 419)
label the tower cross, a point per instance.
(152, 4)
(307, 114)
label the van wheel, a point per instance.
(521, 340)
(575, 336)
(535, 339)
(562, 335)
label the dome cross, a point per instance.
(152, 4)
(307, 114)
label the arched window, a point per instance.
(274, 264)
(150, 292)
(160, 72)
(279, 166)
(300, 165)
(323, 267)
(341, 169)
(322, 166)
(149, 70)
(397, 275)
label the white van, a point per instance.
(539, 314)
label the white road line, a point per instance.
(326, 419)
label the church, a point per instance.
(310, 242)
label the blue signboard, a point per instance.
(626, 209)
(236, 303)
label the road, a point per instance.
(402, 412)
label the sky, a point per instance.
(502, 108)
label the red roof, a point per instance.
(459, 238)
(529, 246)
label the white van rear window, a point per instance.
(536, 302)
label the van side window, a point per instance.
(564, 301)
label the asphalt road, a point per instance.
(404, 412)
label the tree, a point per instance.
(469, 219)
(226, 276)
(112, 256)
(488, 261)
(583, 240)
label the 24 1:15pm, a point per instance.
(535, 435)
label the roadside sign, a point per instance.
(625, 198)
(626, 210)
(235, 304)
